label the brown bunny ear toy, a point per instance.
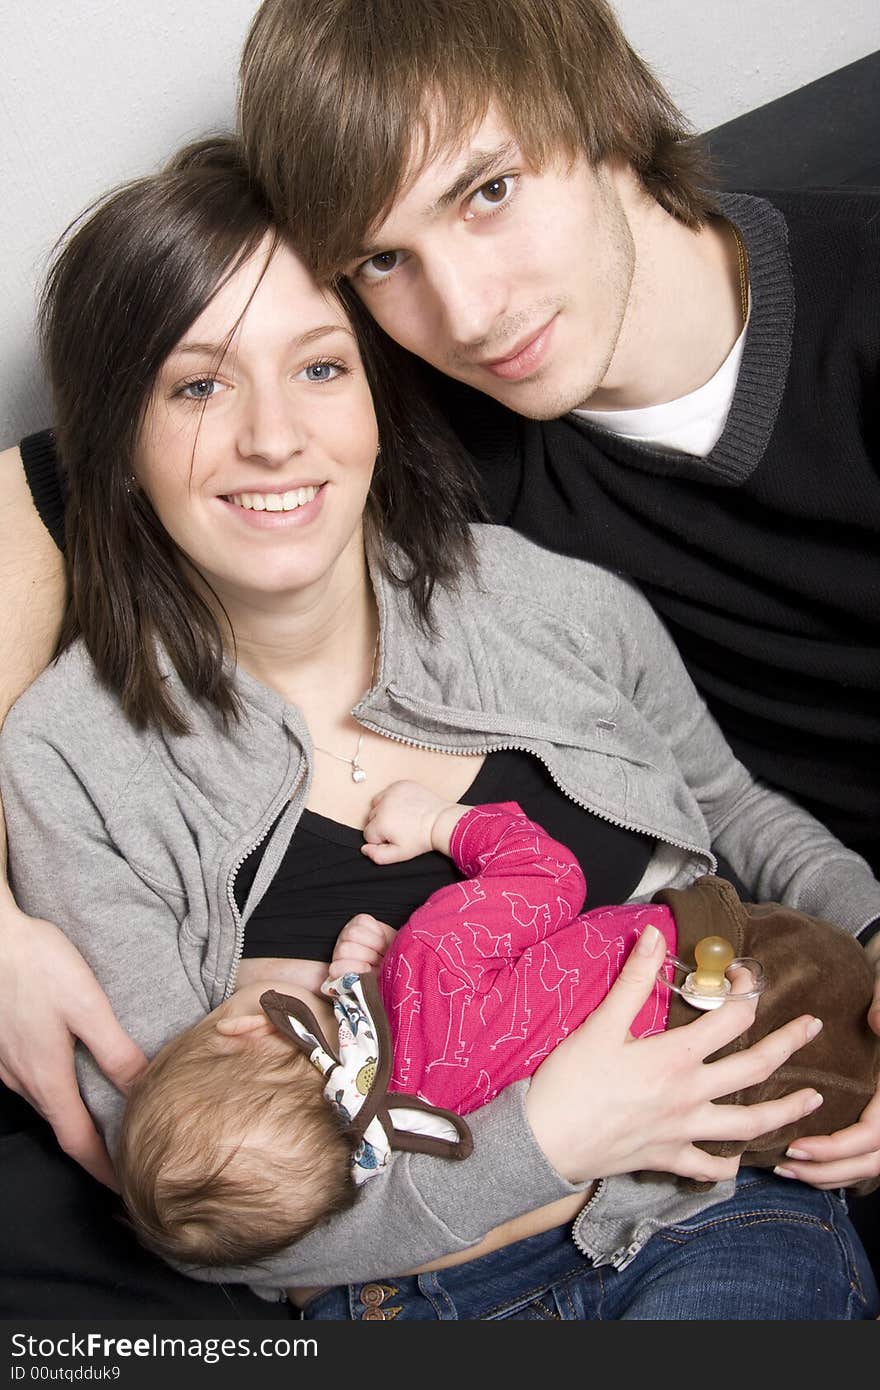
(357, 1077)
(810, 966)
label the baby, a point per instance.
(235, 1143)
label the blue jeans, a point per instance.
(777, 1250)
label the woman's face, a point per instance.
(257, 449)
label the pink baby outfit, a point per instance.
(491, 973)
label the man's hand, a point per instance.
(604, 1102)
(49, 998)
(852, 1155)
(360, 946)
(407, 819)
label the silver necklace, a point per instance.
(357, 772)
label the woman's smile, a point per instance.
(260, 438)
(295, 506)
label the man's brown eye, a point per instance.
(496, 191)
(378, 267)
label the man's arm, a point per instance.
(37, 963)
(31, 586)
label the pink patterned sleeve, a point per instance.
(498, 842)
(521, 888)
(492, 972)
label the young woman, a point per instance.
(277, 609)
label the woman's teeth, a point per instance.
(274, 501)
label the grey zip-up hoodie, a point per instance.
(131, 841)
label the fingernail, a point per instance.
(647, 940)
(784, 1173)
(796, 1153)
(814, 1027)
(813, 1104)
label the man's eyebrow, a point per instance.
(481, 164)
(219, 350)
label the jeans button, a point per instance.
(372, 1296)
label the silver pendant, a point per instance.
(357, 772)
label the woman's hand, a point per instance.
(49, 998)
(852, 1155)
(604, 1102)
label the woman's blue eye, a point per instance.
(201, 390)
(322, 371)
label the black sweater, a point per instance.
(763, 559)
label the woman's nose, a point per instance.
(271, 430)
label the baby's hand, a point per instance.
(360, 946)
(402, 823)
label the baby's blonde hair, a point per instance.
(229, 1151)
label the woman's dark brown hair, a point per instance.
(337, 96)
(129, 280)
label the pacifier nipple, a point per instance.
(707, 987)
(713, 956)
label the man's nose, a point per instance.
(471, 295)
(271, 429)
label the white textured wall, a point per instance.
(92, 92)
(96, 91)
(720, 58)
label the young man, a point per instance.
(529, 216)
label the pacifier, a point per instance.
(707, 985)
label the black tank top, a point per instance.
(323, 879)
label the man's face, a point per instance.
(512, 280)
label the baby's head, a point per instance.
(229, 1150)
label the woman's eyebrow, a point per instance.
(324, 331)
(221, 349)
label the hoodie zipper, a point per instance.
(238, 950)
(506, 746)
(514, 747)
(621, 1257)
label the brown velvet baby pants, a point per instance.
(811, 967)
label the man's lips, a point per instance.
(526, 359)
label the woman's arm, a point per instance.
(63, 863)
(61, 852)
(36, 1054)
(423, 1207)
(774, 845)
(770, 841)
(602, 1103)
